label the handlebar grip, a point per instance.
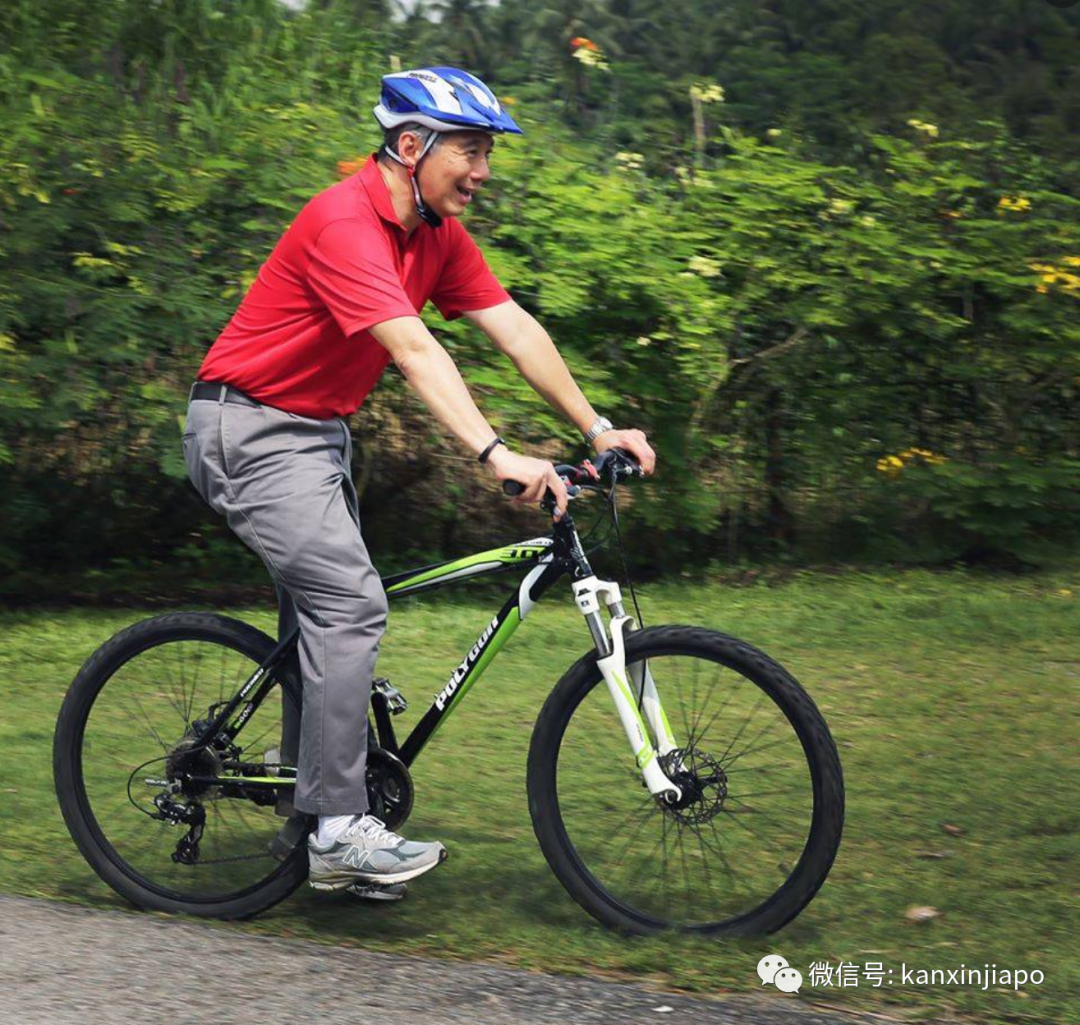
(512, 488)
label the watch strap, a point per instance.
(601, 425)
(483, 457)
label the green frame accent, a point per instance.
(495, 644)
(482, 562)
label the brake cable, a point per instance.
(622, 553)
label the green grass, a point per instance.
(953, 699)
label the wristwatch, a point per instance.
(601, 425)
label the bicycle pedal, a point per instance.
(395, 700)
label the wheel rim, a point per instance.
(138, 718)
(743, 832)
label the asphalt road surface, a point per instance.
(62, 964)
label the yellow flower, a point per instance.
(1018, 204)
(1071, 261)
(840, 206)
(931, 131)
(707, 92)
(591, 58)
(704, 266)
(891, 466)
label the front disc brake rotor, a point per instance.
(702, 782)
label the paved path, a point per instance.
(66, 965)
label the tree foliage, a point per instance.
(796, 247)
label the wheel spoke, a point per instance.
(754, 750)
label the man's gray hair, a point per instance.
(392, 137)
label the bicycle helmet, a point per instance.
(444, 100)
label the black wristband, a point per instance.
(483, 457)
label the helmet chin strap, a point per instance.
(427, 215)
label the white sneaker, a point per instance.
(368, 852)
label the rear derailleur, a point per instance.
(179, 813)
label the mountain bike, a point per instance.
(678, 778)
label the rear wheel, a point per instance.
(758, 826)
(129, 723)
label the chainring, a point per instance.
(389, 787)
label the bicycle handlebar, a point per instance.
(616, 461)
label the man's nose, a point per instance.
(481, 171)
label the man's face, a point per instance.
(455, 170)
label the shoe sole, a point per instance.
(343, 880)
(365, 891)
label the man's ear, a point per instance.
(409, 146)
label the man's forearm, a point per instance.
(539, 362)
(432, 374)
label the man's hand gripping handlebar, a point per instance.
(610, 466)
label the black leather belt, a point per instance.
(212, 391)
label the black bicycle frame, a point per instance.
(551, 556)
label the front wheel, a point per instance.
(759, 824)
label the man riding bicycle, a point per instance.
(267, 446)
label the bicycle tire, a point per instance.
(87, 833)
(561, 849)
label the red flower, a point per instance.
(580, 41)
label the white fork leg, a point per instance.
(654, 710)
(587, 594)
(613, 668)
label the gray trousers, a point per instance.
(283, 483)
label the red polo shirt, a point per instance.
(300, 340)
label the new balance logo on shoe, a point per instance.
(356, 858)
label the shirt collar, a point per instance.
(372, 180)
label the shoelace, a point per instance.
(373, 829)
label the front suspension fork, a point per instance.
(630, 701)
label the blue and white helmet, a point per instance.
(444, 99)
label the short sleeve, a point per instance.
(353, 271)
(466, 281)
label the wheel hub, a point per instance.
(702, 782)
(191, 758)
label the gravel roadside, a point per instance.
(62, 964)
